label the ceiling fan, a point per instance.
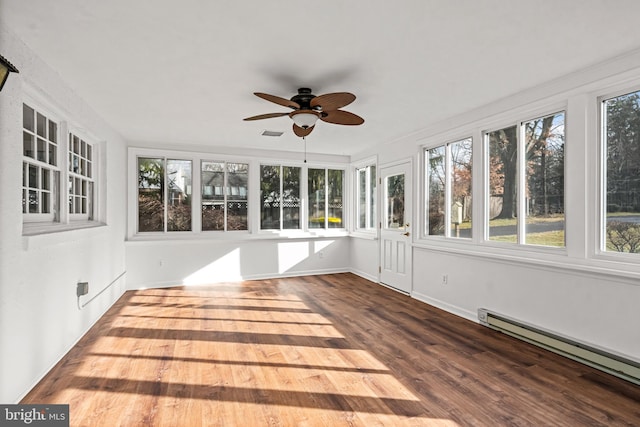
(308, 108)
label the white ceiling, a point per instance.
(183, 72)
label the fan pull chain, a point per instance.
(304, 138)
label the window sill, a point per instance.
(52, 233)
(236, 235)
(365, 235)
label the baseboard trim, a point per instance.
(465, 314)
(266, 276)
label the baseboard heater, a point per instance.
(613, 364)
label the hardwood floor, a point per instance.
(332, 350)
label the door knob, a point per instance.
(405, 234)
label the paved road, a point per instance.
(542, 227)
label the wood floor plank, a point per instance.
(328, 350)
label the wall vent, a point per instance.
(613, 364)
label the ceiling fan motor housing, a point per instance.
(303, 98)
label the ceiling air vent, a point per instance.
(271, 133)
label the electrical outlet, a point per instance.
(82, 288)
(445, 279)
(321, 254)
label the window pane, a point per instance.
(503, 161)
(33, 201)
(622, 198)
(237, 189)
(436, 166)
(71, 194)
(28, 121)
(544, 144)
(46, 179)
(290, 197)
(42, 150)
(53, 132)
(89, 211)
(270, 197)
(461, 172)
(150, 194)
(33, 176)
(42, 125)
(53, 152)
(373, 197)
(27, 143)
(212, 196)
(366, 197)
(45, 202)
(179, 195)
(395, 201)
(335, 198)
(316, 187)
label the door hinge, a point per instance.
(379, 269)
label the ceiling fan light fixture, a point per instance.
(304, 119)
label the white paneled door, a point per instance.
(395, 233)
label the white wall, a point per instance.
(365, 254)
(39, 315)
(200, 261)
(597, 309)
(578, 291)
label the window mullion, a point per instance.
(521, 198)
(448, 190)
(225, 191)
(281, 198)
(63, 162)
(367, 197)
(165, 194)
(326, 198)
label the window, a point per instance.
(224, 196)
(325, 189)
(526, 182)
(80, 177)
(621, 190)
(366, 197)
(448, 184)
(164, 195)
(279, 197)
(40, 173)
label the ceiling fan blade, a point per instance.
(301, 131)
(278, 100)
(265, 116)
(340, 117)
(333, 101)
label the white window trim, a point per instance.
(96, 156)
(33, 225)
(598, 250)
(353, 193)
(253, 195)
(424, 227)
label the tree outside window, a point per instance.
(448, 182)
(279, 197)
(164, 185)
(539, 146)
(621, 134)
